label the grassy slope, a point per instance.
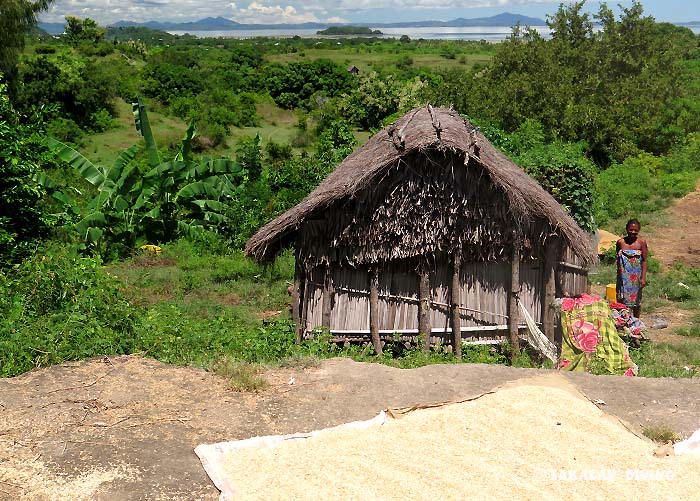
(104, 147)
(276, 125)
(367, 61)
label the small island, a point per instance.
(349, 30)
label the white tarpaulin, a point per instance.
(213, 456)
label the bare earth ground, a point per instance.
(125, 427)
(678, 242)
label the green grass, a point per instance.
(660, 433)
(689, 331)
(242, 376)
(210, 283)
(379, 61)
(200, 304)
(103, 148)
(678, 360)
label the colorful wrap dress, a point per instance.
(629, 276)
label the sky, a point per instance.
(298, 11)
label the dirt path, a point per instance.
(126, 427)
(678, 243)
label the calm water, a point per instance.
(491, 34)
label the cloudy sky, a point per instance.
(297, 11)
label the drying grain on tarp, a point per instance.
(532, 441)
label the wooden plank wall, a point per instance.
(396, 313)
(483, 290)
(572, 277)
(350, 307)
(313, 299)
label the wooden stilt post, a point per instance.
(307, 279)
(327, 299)
(296, 300)
(374, 309)
(424, 327)
(456, 317)
(513, 313)
(551, 249)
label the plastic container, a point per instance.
(611, 292)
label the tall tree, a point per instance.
(83, 30)
(23, 219)
(17, 17)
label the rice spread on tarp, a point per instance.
(535, 439)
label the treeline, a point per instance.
(626, 87)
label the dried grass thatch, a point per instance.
(429, 133)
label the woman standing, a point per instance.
(631, 268)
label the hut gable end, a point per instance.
(427, 203)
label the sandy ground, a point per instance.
(125, 427)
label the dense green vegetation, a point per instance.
(606, 120)
(17, 18)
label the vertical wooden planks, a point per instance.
(455, 303)
(313, 299)
(374, 309)
(551, 255)
(424, 327)
(327, 304)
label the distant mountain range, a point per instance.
(223, 24)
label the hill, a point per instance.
(222, 24)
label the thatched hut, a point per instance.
(427, 228)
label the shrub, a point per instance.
(102, 120)
(564, 171)
(57, 306)
(66, 130)
(45, 49)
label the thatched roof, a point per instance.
(422, 130)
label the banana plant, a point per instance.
(111, 207)
(171, 198)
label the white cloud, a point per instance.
(336, 19)
(260, 13)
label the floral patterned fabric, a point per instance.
(627, 325)
(590, 340)
(629, 275)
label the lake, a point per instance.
(490, 33)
